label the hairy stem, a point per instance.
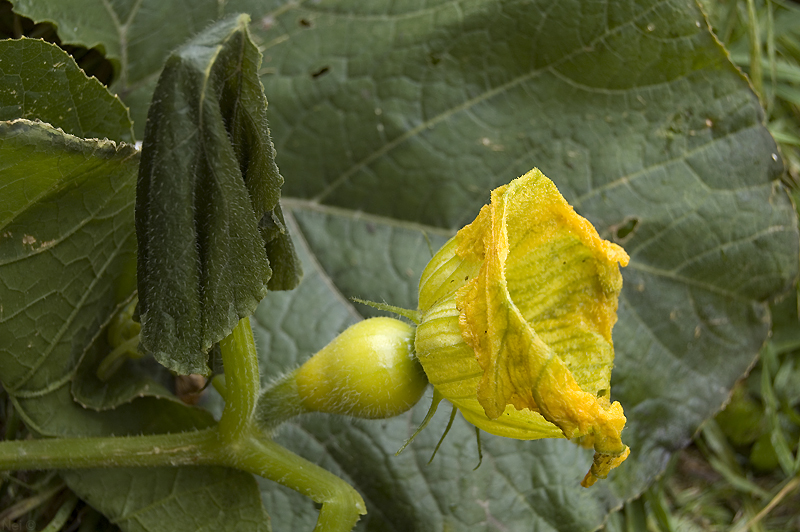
(182, 448)
(241, 379)
(341, 504)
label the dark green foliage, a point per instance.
(67, 266)
(208, 221)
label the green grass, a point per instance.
(763, 37)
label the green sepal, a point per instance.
(210, 231)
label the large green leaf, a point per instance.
(40, 81)
(174, 498)
(67, 254)
(411, 113)
(210, 230)
(38, 182)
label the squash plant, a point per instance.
(391, 124)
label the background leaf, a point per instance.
(411, 114)
(208, 498)
(64, 97)
(137, 36)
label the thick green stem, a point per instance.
(756, 74)
(182, 448)
(253, 452)
(248, 449)
(341, 504)
(241, 379)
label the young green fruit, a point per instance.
(369, 371)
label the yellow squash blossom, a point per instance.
(516, 316)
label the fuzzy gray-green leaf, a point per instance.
(208, 223)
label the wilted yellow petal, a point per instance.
(539, 313)
(453, 370)
(516, 317)
(602, 465)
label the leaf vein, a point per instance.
(430, 123)
(68, 322)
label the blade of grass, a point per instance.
(718, 443)
(788, 5)
(771, 52)
(737, 480)
(784, 70)
(750, 512)
(753, 36)
(722, 458)
(731, 18)
(635, 515)
(777, 437)
(789, 93)
(11, 514)
(62, 515)
(786, 490)
(658, 508)
(785, 138)
(790, 45)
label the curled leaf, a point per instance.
(211, 234)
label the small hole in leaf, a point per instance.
(601, 393)
(321, 72)
(627, 228)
